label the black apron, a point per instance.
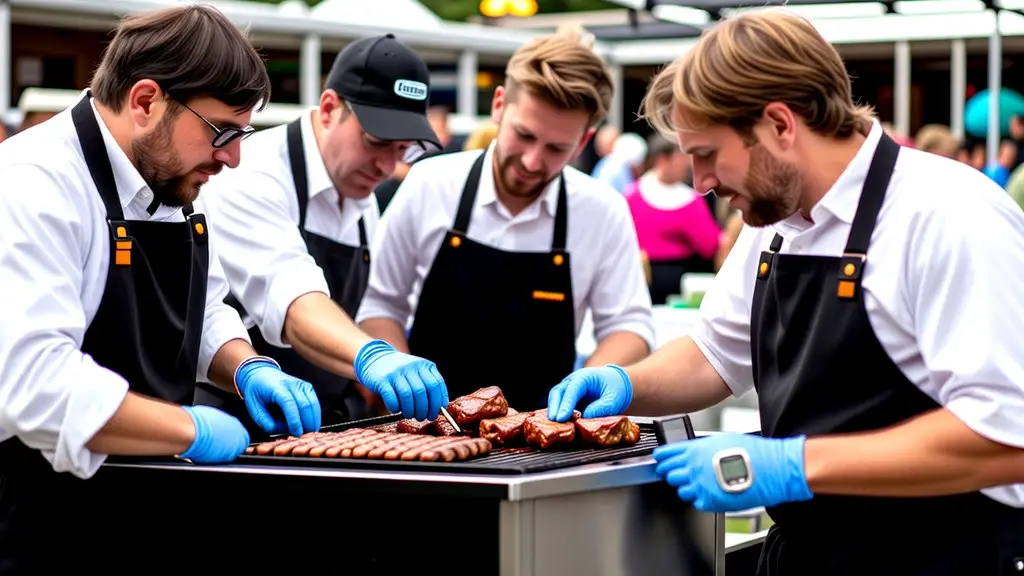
(147, 329)
(347, 270)
(488, 317)
(819, 369)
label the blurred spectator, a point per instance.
(438, 118)
(675, 228)
(625, 163)
(972, 153)
(481, 137)
(999, 170)
(605, 140)
(937, 139)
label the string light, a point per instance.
(499, 8)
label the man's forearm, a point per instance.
(226, 361)
(320, 331)
(675, 379)
(145, 427)
(620, 348)
(930, 455)
(387, 330)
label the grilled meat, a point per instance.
(444, 427)
(543, 433)
(608, 431)
(485, 403)
(414, 426)
(507, 430)
(375, 445)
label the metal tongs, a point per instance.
(448, 417)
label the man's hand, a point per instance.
(220, 437)
(608, 386)
(262, 384)
(777, 469)
(406, 383)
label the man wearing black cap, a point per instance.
(295, 219)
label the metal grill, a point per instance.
(503, 461)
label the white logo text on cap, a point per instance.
(411, 89)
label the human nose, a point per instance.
(532, 160)
(704, 180)
(230, 155)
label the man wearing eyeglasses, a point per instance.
(113, 298)
(294, 221)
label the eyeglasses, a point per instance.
(222, 136)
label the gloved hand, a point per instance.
(608, 386)
(220, 437)
(406, 383)
(777, 470)
(262, 384)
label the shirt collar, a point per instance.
(486, 194)
(130, 184)
(317, 178)
(842, 198)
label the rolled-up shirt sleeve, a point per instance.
(394, 255)
(53, 397)
(965, 275)
(723, 330)
(619, 299)
(221, 322)
(263, 254)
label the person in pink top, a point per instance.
(674, 225)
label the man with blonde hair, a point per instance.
(871, 300)
(504, 250)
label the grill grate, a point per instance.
(503, 461)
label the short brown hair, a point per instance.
(190, 51)
(748, 61)
(937, 139)
(564, 71)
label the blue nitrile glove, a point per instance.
(778, 471)
(608, 386)
(220, 437)
(262, 384)
(405, 383)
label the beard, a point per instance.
(773, 189)
(513, 186)
(161, 167)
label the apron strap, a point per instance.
(561, 217)
(875, 185)
(461, 224)
(95, 153)
(297, 159)
(362, 234)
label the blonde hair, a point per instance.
(748, 61)
(937, 139)
(564, 71)
(481, 136)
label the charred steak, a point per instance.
(414, 426)
(507, 430)
(543, 433)
(485, 403)
(608, 431)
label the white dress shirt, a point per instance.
(54, 254)
(607, 276)
(942, 288)
(255, 213)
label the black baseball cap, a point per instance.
(388, 87)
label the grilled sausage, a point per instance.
(305, 449)
(265, 448)
(363, 449)
(320, 449)
(286, 448)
